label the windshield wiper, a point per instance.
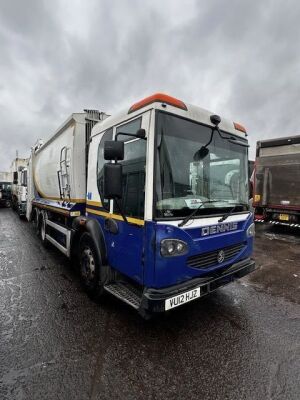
(186, 219)
(225, 216)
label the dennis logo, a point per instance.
(213, 229)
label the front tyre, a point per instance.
(90, 265)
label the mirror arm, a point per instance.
(215, 128)
(121, 211)
(128, 134)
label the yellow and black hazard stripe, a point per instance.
(96, 208)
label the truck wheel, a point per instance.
(35, 221)
(90, 265)
(13, 205)
(42, 230)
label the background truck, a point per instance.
(19, 187)
(5, 189)
(151, 204)
(277, 181)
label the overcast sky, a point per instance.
(239, 59)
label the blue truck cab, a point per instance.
(167, 218)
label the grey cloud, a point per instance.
(238, 59)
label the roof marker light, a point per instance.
(160, 97)
(239, 127)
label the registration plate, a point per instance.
(283, 217)
(182, 298)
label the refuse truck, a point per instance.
(151, 204)
(5, 189)
(277, 181)
(19, 186)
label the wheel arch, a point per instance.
(81, 225)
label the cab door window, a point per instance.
(134, 164)
(100, 165)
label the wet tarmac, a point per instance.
(243, 342)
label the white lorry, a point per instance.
(5, 189)
(19, 186)
(143, 203)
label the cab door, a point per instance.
(126, 247)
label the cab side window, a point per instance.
(134, 164)
(100, 164)
(131, 127)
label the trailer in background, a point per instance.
(277, 181)
(250, 174)
(5, 189)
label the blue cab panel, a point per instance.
(125, 249)
(135, 251)
(201, 259)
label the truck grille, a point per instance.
(208, 259)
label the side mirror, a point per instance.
(141, 133)
(200, 154)
(24, 178)
(112, 180)
(113, 150)
(15, 181)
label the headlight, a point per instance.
(173, 247)
(251, 230)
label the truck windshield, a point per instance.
(212, 185)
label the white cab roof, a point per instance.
(193, 112)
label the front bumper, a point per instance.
(153, 300)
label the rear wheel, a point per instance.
(90, 265)
(42, 228)
(14, 204)
(35, 220)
